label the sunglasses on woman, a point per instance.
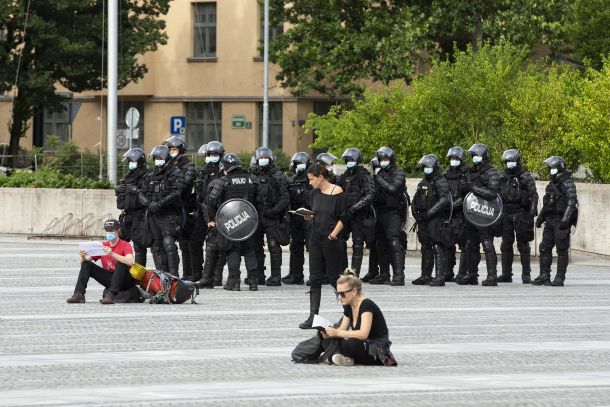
(342, 293)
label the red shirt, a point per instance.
(122, 248)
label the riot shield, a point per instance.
(236, 220)
(481, 212)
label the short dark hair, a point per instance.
(318, 169)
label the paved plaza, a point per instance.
(512, 345)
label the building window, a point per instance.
(57, 124)
(204, 34)
(273, 31)
(138, 140)
(203, 123)
(275, 125)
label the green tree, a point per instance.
(590, 122)
(589, 30)
(63, 46)
(333, 46)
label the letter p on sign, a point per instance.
(177, 124)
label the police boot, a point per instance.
(232, 283)
(427, 266)
(207, 277)
(562, 268)
(220, 265)
(171, 251)
(357, 254)
(398, 263)
(382, 278)
(373, 266)
(468, 268)
(275, 254)
(185, 250)
(315, 296)
(463, 266)
(441, 263)
(295, 275)
(197, 263)
(491, 261)
(507, 265)
(253, 281)
(526, 267)
(546, 259)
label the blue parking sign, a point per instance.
(177, 124)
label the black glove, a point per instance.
(132, 189)
(425, 217)
(539, 222)
(154, 207)
(121, 188)
(564, 225)
(466, 187)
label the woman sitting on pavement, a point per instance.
(114, 273)
(363, 330)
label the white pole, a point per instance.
(266, 77)
(113, 30)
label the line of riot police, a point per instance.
(174, 205)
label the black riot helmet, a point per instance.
(229, 162)
(429, 161)
(479, 150)
(457, 152)
(386, 152)
(136, 155)
(263, 152)
(557, 162)
(300, 157)
(326, 159)
(352, 154)
(177, 142)
(511, 155)
(160, 151)
(203, 150)
(215, 147)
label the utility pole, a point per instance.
(113, 34)
(266, 76)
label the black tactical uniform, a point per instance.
(212, 152)
(359, 189)
(454, 233)
(559, 213)
(273, 224)
(237, 183)
(431, 205)
(374, 263)
(520, 199)
(300, 195)
(133, 218)
(161, 196)
(390, 204)
(187, 210)
(483, 180)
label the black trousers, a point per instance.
(356, 349)
(120, 280)
(299, 238)
(476, 237)
(325, 260)
(164, 228)
(196, 241)
(134, 220)
(238, 249)
(275, 250)
(519, 226)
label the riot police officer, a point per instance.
(236, 183)
(274, 189)
(483, 180)
(390, 201)
(359, 189)
(177, 151)
(520, 199)
(559, 213)
(375, 263)
(454, 233)
(215, 256)
(161, 197)
(133, 219)
(430, 208)
(300, 194)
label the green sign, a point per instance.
(238, 122)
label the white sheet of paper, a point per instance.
(320, 321)
(92, 248)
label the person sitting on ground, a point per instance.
(114, 272)
(363, 328)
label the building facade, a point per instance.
(210, 71)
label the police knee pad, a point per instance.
(169, 243)
(488, 246)
(395, 245)
(523, 247)
(273, 246)
(506, 246)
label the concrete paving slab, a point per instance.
(512, 345)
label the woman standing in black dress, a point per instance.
(325, 248)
